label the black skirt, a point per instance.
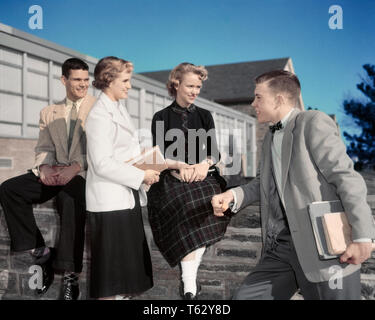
(120, 257)
(181, 216)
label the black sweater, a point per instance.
(177, 145)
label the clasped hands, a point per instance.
(58, 175)
(195, 172)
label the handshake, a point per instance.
(220, 202)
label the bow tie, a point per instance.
(276, 126)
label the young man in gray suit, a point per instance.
(303, 160)
(59, 170)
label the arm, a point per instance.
(329, 154)
(45, 152)
(158, 133)
(213, 155)
(100, 132)
(158, 136)
(247, 194)
(80, 157)
(240, 197)
(176, 165)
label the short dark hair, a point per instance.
(281, 81)
(107, 70)
(73, 64)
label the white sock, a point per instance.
(198, 255)
(189, 276)
(122, 297)
(190, 270)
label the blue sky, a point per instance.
(159, 34)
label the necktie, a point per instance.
(276, 126)
(73, 121)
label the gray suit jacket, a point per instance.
(315, 167)
(52, 146)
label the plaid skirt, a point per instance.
(181, 216)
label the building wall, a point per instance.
(30, 70)
(20, 152)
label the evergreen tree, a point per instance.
(363, 112)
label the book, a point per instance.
(149, 159)
(337, 232)
(331, 228)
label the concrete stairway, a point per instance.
(224, 265)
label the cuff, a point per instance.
(238, 199)
(363, 240)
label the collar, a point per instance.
(284, 121)
(69, 103)
(107, 101)
(178, 109)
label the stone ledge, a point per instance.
(224, 265)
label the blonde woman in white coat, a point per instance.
(120, 258)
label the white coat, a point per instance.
(111, 140)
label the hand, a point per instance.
(200, 171)
(151, 177)
(182, 165)
(357, 252)
(67, 173)
(176, 165)
(46, 175)
(186, 173)
(220, 202)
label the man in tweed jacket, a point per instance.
(303, 160)
(59, 170)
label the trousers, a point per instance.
(17, 196)
(278, 276)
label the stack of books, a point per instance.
(331, 228)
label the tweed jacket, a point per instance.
(52, 146)
(315, 167)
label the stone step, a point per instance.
(224, 266)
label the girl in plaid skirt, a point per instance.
(179, 205)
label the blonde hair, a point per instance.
(107, 69)
(178, 72)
